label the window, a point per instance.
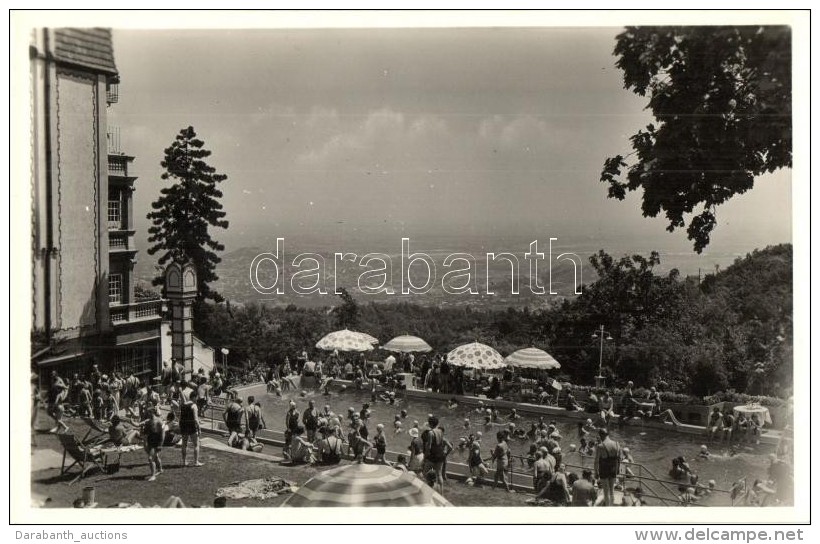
(115, 289)
(139, 360)
(114, 211)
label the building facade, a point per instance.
(84, 306)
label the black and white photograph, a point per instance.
(525, 267)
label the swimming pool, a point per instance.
(651, 447)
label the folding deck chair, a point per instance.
(94, 426)
(85, 456)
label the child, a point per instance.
(687, 495)
(97, 405)
(380, 443)
(704, 452)
(755, 427)
(626, 460)
(356, 444)
(85, 401)
(401, 463)
(531, 456)
(478, 469)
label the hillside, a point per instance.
(733, 331)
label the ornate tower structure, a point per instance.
(180, 290)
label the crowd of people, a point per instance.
(324, 437)
(132, 408)
(730, 429)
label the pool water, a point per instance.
(651, 447)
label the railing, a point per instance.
(652, 487)
(117, 241)
(136, 311)
(117, 165)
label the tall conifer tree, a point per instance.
(186, 209)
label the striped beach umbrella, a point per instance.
(346, 340)
(407, 344)
(476, 355)
(365, 485)
(532, 358)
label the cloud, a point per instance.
(386, 139)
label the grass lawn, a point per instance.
(197, 486)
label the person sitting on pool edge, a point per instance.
(606, 408)
(301, 451)
(728, 423)
(713, 425)
(571, 405)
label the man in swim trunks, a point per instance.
(234, 416)
(607, 465)
(255, 419)
(189, 428)
(154, 433)
(501, 456)
(310, 420)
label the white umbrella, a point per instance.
(345, 340)
(407, 344)
(371, 339)
(476, 355)
(365, 485)
(532, 358)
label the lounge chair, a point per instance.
(85, 456)
(89, 455)
(94, 426)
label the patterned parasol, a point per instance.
(345, 340)
(532, 358)
(476, 355)
(407, 344)
(365, 485)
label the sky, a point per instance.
(374, 133)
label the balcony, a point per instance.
(118, 170)
(120, 241)
(135, 312)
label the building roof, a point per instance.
(90, 48)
